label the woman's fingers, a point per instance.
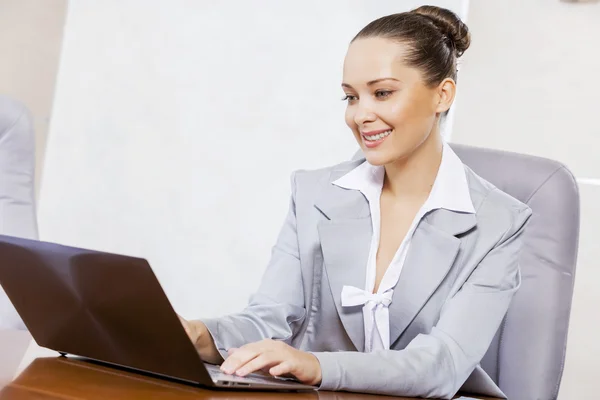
(277, 357)
(242, 356)
(281, 369)
(239, 358)
(264, 360)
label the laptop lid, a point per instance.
(103, 306)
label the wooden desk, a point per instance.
(48, 377)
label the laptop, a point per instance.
(109, 308)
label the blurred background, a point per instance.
(169, 130)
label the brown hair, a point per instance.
(436, 38)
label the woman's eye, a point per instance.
(349, 98)
(382, 94)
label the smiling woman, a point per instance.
(414, 56)
(391, 273)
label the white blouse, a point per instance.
(450, 191)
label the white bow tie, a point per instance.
(375, 313)
(353, 296)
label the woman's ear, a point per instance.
(446, 91)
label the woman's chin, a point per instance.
(377, 158)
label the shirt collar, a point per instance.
(450, 189)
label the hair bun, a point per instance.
(450, 25)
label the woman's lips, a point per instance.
(375, 138)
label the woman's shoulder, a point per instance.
(492, 203)
(316, 179)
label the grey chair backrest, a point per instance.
(526, 358)
(17, 187)
(17, 170)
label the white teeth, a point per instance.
(379, 136)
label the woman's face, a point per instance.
(390, 109)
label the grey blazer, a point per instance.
(458, 279)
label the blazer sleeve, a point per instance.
(437, 364)
(277, 309)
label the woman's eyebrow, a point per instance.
(374, 81)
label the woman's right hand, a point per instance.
(202, 340)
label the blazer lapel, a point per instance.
(433, 250)
(346, 241)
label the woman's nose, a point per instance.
(364, 114)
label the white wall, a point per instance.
(530, 80)
(177, 124)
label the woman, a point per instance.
(393, 272)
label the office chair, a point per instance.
(17, 200)
(526, 357)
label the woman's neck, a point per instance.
(414, 175)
